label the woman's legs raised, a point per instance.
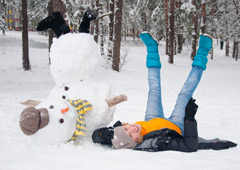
(154, 103)
(198, 66)
(185, 94)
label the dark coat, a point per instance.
(167, 139)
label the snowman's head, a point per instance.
(52, 121)
(74, 57)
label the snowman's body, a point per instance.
(76, 68)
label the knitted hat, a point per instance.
(32, 119)
(122, 140)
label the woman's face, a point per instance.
(133, 130)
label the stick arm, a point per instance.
(116, 100)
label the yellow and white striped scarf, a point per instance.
(81, 106)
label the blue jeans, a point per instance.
(154, 103)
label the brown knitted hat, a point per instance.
(122, 140)
(32, 119)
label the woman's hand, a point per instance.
(191, 109)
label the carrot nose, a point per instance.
(64, 110)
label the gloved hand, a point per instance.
(191, 110)
(107, 132)
(217, 145)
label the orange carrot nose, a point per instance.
(64, 110)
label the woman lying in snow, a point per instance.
(157, 133)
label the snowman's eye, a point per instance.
(51, 107)
(61, 120)
(64, 97)
(66, 88)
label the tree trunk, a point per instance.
(204, 16)
(133, 33)
(96, 32)
(117, 35)
(145, 21)
(212, 23)
(101, 30)
(92, 23)
(194, 31)
(179, 28)
(171, 18)
(235, 45)
(235, 50)
(25, 49)
(110, 26)
(166, 25)
(50, 32)
(226, 28)
(227, 47)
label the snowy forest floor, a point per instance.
(218, 97)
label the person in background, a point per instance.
(221, 43)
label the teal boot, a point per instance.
(205, 45)
(153, 60)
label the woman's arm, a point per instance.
(189, 142)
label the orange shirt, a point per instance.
(157, 124)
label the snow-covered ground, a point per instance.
(218, 97)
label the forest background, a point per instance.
(177, 22)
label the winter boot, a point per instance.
(88, 16)
(153, 59)
(205, 45)
(56, 22)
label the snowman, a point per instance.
(81, 100)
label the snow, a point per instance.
(188, 7)
(218, 97)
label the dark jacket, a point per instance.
(167, 139)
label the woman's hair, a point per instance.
(140, 138)
(124, 124)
